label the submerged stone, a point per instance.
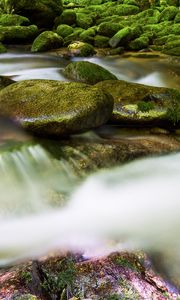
(87, 72)
(49, 107)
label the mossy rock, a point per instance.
(67, 17)
(177, 18)
(126, 10)
(109, 28)
(64, 30)
(13, 20)
(168, 14)
(116, 51)
(87, 72)
(126, 102)
(18, 34)
(140, 43)
(84, 20)
(101, 41)
(47, 40)
(88, 35)
(2, 48)
(172, 47)
(81, 49)
(121, 37)
(54, 108)
(5, 81)
(73, 37)
(41, 12)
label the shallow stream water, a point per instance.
(30, 226)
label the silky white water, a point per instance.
(136, 205)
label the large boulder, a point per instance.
(87, 72)
(142, 105)
(47, 107)
(40, 12)
(18, 34)
(47, 40)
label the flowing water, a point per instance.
(137, 204)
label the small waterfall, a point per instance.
(136, 205)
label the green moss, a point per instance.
(173, 109)
(145, 106)
(47, 40)
(177, 18)
(87, 72)
(64, 30)
(13, 20)
(7, 6)
(26, 277)
(2, 48)
(101, 41)
(168, 14)
(75, 36)
(114, 297)
(18, 34)
(67, 17)
(121, 37)
(109, 28)
(88, 35)
(140, 43)
(81, 49)
(84, 20)
(56, 284)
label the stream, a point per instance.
(148, 189)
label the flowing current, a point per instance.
(136, 205)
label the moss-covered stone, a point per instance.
(88, 35)
(13, 20)
(101, 41)
(67, 17)
(87, 72)
(64, 30)
(127, 97)
(116, 51)
(124, 10)
(84, 20)
(2, 48)
(109, 28)
(41, 12)
(18, 34)
(122, 36)
(172, 47)
(47, 40)
(75, 36)
(177, 18)
(81, 49)
(140, 43)
(168, 14)
(49, 107)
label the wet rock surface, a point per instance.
(87, 72)
(48, 107)
(117, 276)
(136, 104)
